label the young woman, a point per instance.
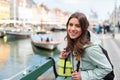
(93, 63)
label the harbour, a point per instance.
(18, 55)
(22, 55)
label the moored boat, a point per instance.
(19, 34)
(43, 52)
(2, 34)
(45, 42)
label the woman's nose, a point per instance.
(73, 27)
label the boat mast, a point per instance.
(24, 5)
(14, 12)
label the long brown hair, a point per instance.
(76, 46)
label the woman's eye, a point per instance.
(70, 24)
(77, 25)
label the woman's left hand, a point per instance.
(76, 75)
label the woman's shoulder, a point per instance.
(93, 52)
(91, 46)
(93, 49)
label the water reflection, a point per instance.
(44, 52)
(20, 54)
(4, 52)
(22, 50)
(14, 57)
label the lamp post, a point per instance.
(113, 35)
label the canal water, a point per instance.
(19, 54)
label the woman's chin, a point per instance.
(73, 37)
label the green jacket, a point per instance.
(94, 65)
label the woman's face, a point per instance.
(74, 29)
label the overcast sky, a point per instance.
(102, 7)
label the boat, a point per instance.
(1, 34)
(58, 28)
(17, 33)
(46, 53)
(45, 42)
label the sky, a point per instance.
(103, 8)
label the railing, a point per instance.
(33, 75)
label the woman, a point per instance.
(93, 63)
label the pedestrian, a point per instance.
(104, 28)
(118, 26)
(98, 29)
(47, 39)
(93, 63)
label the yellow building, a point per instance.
(4, 10)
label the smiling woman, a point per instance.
(86, 57)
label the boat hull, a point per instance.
(45, 46)
(1, 34)
(45, 42)
(19, 34)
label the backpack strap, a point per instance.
(106, 54)
(66, 60)
(78, 66)
(65, 64)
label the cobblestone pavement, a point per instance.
(113, 47)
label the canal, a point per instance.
(19, 54)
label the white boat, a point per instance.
(44, 52)
(17, 33)
(45, 42)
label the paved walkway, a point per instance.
(112, 45)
